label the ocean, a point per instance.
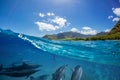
(100, 60)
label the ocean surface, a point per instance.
(100, 60)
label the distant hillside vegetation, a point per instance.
(114, 34)
(115, 29)
(66, 35)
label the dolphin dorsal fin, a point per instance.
(24, 64)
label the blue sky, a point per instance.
(40, 17)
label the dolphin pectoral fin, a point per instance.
(53, 74)
(64, 77)
(27, 76)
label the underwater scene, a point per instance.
(25, 57)
(59, 39)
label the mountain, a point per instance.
(64, 35)
(70, 34)
(114, 34)
(115, 29)
(101, 33)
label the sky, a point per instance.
(40, 17)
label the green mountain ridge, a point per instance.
(115, 29)
(65, 35)
(112, 35)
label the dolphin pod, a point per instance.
(29, 69)
(60, 73)
(22, 67)
(22, 73)
(19, 70)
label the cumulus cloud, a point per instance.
(110, 17)
(59, 21)
(107, 30)
(45, 26)
(116, 19)
(74, 30)
(85, 30)
(41, 14)
(88, 31)
(52, 22)
(116, 11)
(50, 14)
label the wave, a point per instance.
(106, 52)
(95, 51)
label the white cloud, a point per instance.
(41, 14)
(59, 21)
(88, 31)
(45, 26)
(85, 30)
(74, 30)
(50, 14)
(116, 19)
(51, 23)
(113, 8)
(110, 17)
(116, 11)
(61, 31)
(107, 30)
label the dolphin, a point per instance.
(77, 73)
(21, 73)
(24, 66)
(41, 77)
(60, 73)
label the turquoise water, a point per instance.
(100, 60)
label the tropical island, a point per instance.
(113, 34)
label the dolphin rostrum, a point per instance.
(60, 73)
(77, 73)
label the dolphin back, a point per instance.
(60, 73)
(77, 73)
